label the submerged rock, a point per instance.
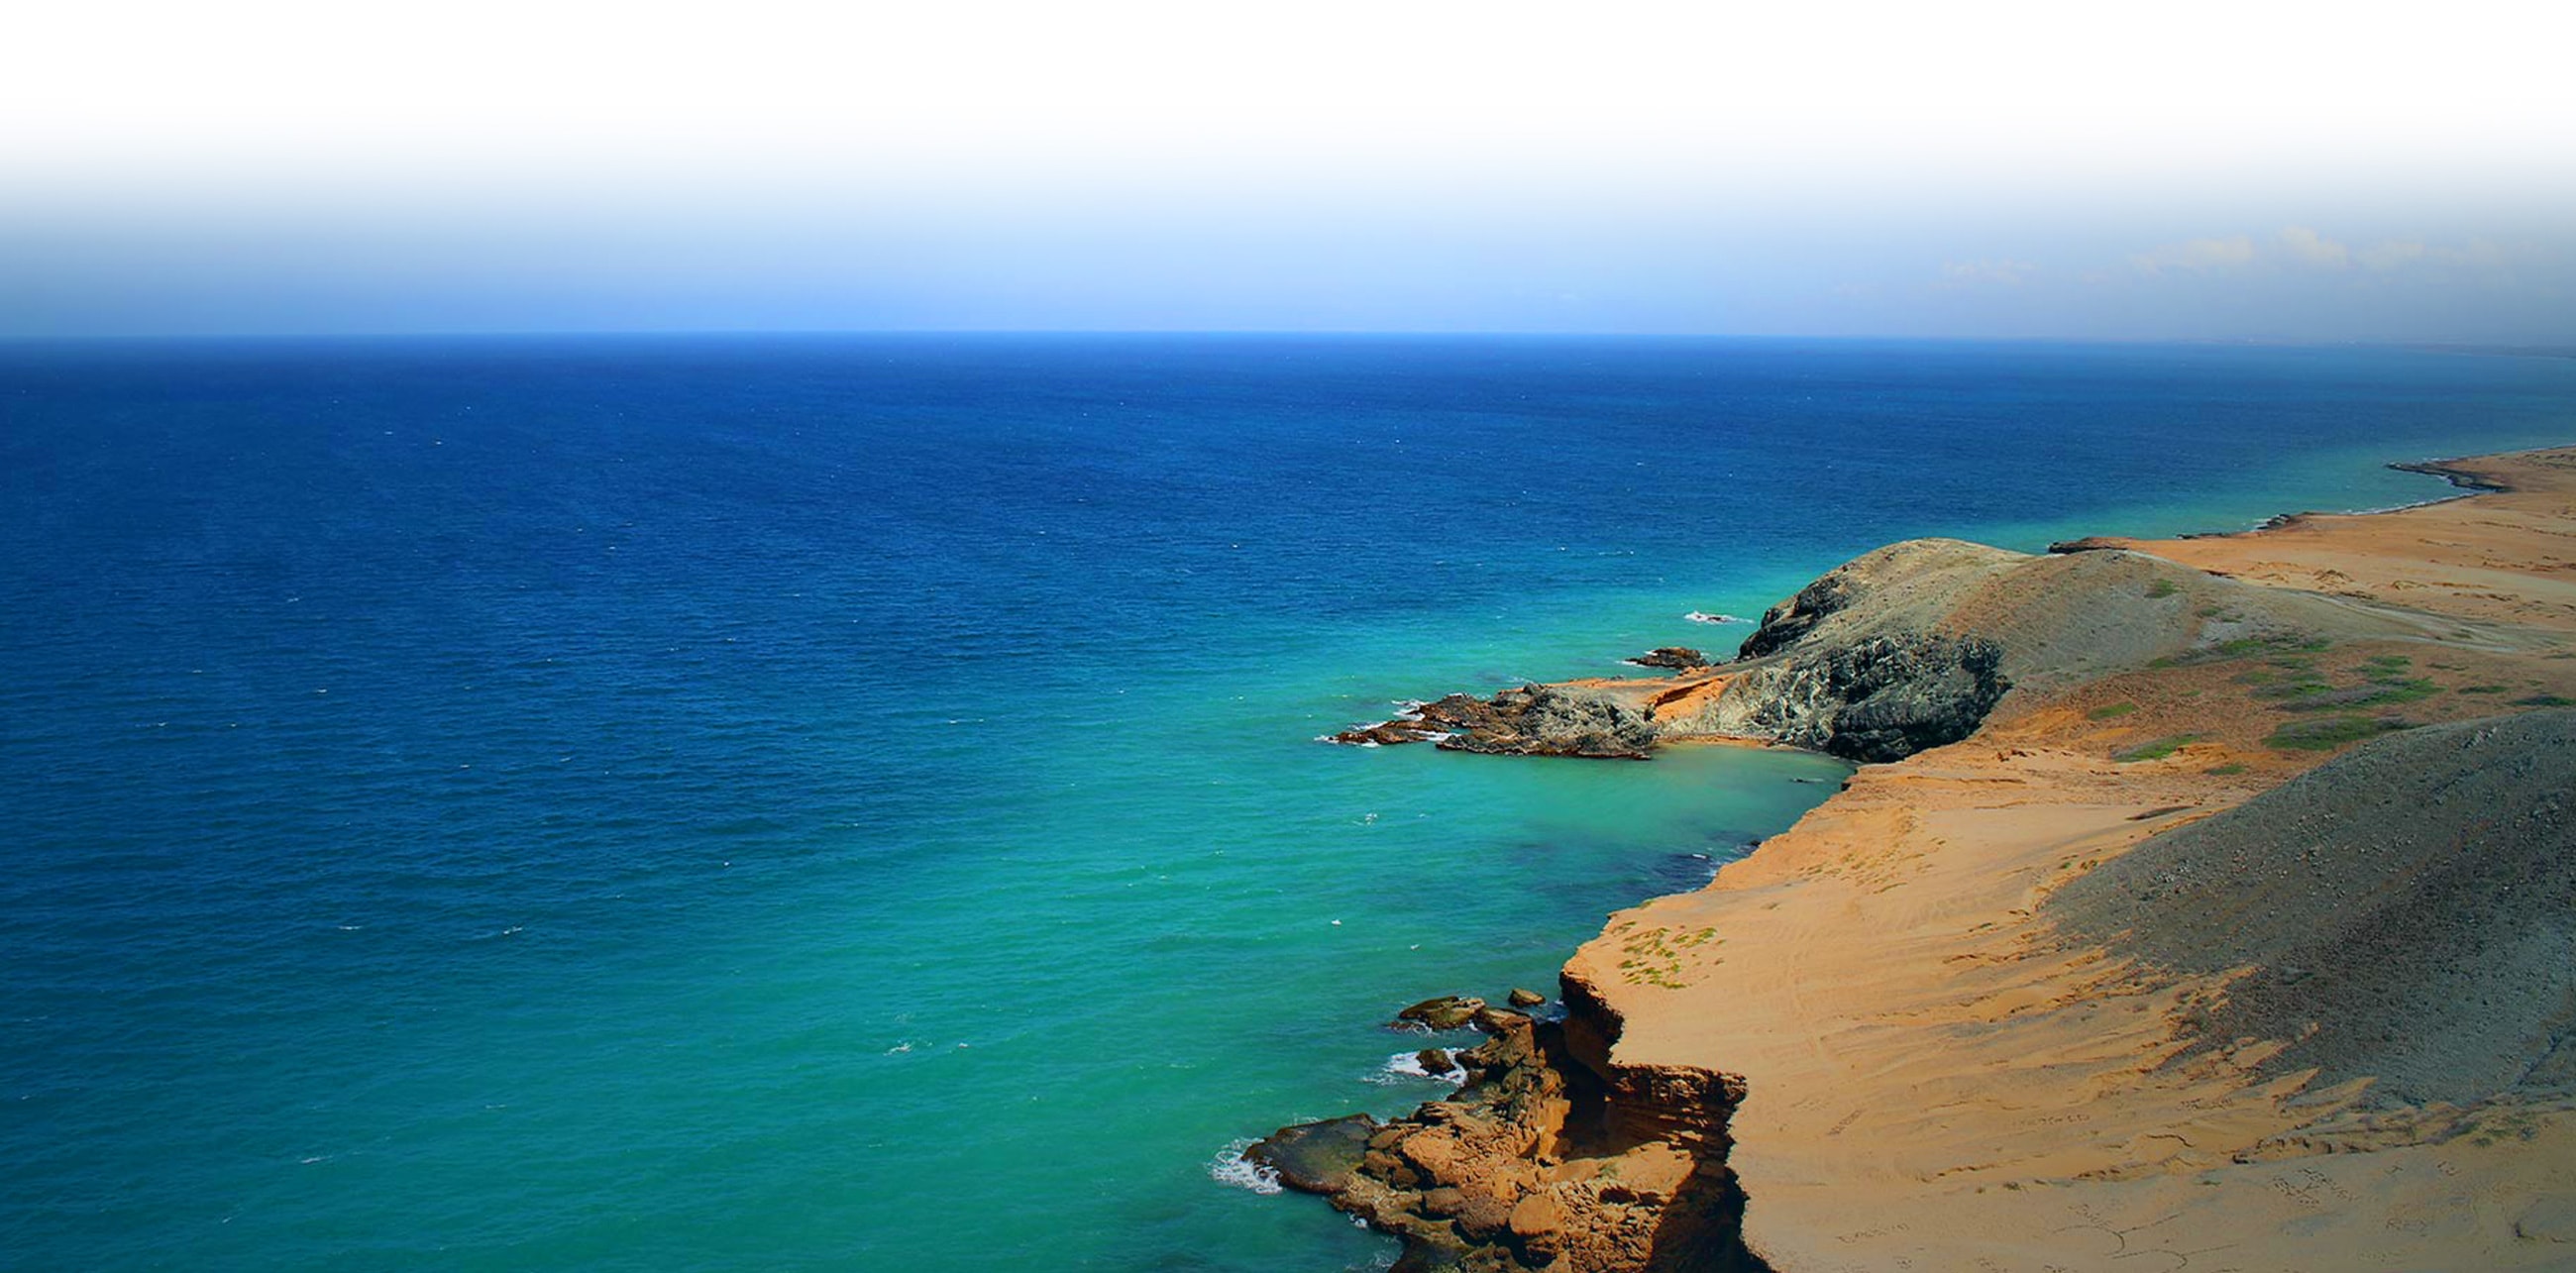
(1316, 1157)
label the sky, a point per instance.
(2106, 171)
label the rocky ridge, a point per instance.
(1896, 652)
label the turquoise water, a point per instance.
(849, 803)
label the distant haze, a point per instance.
(2303, 172)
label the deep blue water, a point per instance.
(849, 802)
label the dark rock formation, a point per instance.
(1786, 622)
(1542, 720)
(1883, 698)
(1534, 720)
(1549, 1157)
(2473, 483)
(1316, 1157)
(1680, 658)
(1448, 1012)
(1388, 733)
(2088, 544)
(1524, 998)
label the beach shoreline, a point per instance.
(1992, 1076)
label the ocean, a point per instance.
(771, 803)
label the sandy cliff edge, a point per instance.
(1936, 1076)
(1927, 1028)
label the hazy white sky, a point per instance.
(2191, 170)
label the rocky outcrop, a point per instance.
(1447, 1012)
(2474, 481)
(1679, 658)
(1884, 698)
(1794, 618)
(1320, 1157)
(1533, 720)
(2090, 544)
(1542, 720)
(1905, 649)
(1550, 1157)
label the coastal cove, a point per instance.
(785, 803)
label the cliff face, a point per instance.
(1551, 1156)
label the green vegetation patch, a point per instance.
(2384, 670)
(2304, 687)
(2162, 588)
(2545, 700)
(2222, 771)
(2330, 732)
(2375, 694)
(2480, 689)
(2157, 750)
(2111, 711)
(2281, 646)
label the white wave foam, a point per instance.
(1408, 1065)
(1230, 1167)
(1697, 616)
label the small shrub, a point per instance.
(2111, 711)
(2162, 588)
(2330, 732)
(2294, 689)
(2375, 694)
(2157, 750)
(2545, 700)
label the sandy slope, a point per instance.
(1944, 1072)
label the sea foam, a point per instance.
(1230, 1167)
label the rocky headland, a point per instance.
(2203, 903)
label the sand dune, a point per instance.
(1991, 1009)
